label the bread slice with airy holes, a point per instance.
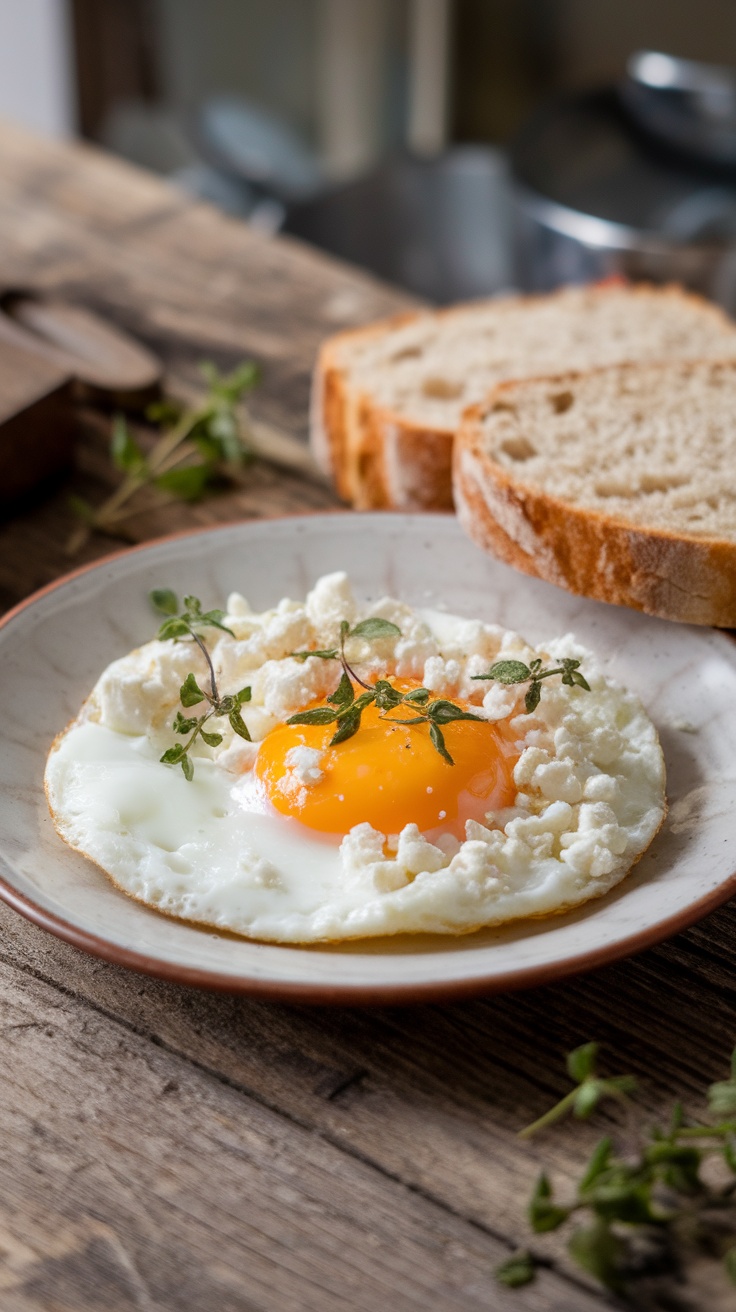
(619, 484)
(387, 399)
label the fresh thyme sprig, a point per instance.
(509, 671)
(186, 626)
(589, 1091)
(643, 1210)
(196, 447)
(345, 709)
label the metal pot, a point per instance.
(596, 195)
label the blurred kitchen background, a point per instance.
(457, 147)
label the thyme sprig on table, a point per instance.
(646, 1209)
(510, 671)
(345, 709)
(186, 626)
(196, 446)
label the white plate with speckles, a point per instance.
(53, 647)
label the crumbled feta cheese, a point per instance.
(305, 763)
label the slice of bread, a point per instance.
(387, 399)
(619, 484)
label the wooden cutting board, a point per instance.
(53, 355)
(37, 420)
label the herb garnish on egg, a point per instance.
(349, 708)
(342, 706)
(185, 626)
(518, 672)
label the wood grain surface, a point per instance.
(164, 1148)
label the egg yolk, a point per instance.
(388, 774)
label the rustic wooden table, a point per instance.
(163, 1148)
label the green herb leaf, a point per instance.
(544, 1214)
(173, 754)
(238, 724)
(444, 712)
(518, 1270)
(348, 725)
(722, 1098)
(193, 605)
(182, 725)
(533, 696)
(581, 1062)
(318, 715)
(211, 622)
(375, 628)
(626, 1200)
(599, 1252)
(164, 600)
(211, 739)
(186, 484)
(419, 696)
(680, 1165)
(242, 696)
(598, 1163)
(365, 699)
(343, 694)
(587, 1098)
(173, 628)
(330, 654)
(677, 1120)
(386, 696)
(187, 768)
(581, 682)
(124, 450)
(438, 742)
(190, 694)
(507, 672)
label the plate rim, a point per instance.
(332, 994)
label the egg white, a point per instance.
(590, 780)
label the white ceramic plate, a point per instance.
(53, 647)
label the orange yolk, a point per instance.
(390, 774)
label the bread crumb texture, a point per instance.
(388, 399)
(619, 484)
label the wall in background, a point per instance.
(596, 38)
(510, 54)
(264, 49)
(36, 65)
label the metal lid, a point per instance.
(584, 153)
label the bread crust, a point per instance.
(679, 577)
(379, 459)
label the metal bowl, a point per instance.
(594, 197)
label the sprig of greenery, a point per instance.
(590, 1090)
(345, 709)
(642, 1211)
(186, 626)
(510, 671)
(196, 447)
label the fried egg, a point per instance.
(292, 838)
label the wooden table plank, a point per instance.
(388, 1133)
(432, 1097)
(138, 1180)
